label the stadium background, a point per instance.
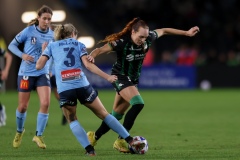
(214, 53)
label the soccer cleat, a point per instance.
(121, 145)
(91, 153)
(91, 138)
(18, 139)
(39, 141)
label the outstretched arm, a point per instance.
(94, 69)
(171, 31)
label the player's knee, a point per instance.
(137, 100)
(118, 116)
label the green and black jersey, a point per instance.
(130, 56)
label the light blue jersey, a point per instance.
(32, 38)
(68, 68)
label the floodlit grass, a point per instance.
(177, 124)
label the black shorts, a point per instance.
(122, 82)
(85, 94)
(53, 82)
(29, 83)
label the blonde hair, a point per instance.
(43, 9)
(134, 24)
(64, 31)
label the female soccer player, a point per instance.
(131, 46)
(32, 37)
(68, 55)
(3, 77)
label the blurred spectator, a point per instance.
(167, 58)
(232, 59)
(185, 55)
(149, 59)
(201, 60)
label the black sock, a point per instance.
(101, 130)
(89, 148)
(129, 139)
(0, 106)
(132, 115)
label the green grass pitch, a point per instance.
(181, 125)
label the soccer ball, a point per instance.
(135, 150)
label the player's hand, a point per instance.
(90, 59)
(193, 31)
(4, 75)
(112, 78)
(27, 58)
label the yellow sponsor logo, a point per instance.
(24, 84)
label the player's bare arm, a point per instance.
(94, 69)
(172, 31)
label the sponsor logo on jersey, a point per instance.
(70, 74)
(130, 57)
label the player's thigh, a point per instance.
(43, 89)
(129, 92)
(23, 100)
(120, 105)
(70, 112)
(44, 93)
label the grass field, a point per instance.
(177, 124)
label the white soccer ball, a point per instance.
(135, 150)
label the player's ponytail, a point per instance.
(64, 31)
(132, 25)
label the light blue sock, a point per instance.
(116, 126)
(79, 133)
(42, 119)
(20, 120)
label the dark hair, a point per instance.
(43, 9)
(64, 31)
(134, 24)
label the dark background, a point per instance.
(215, 51)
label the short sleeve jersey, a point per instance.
(33, 38)
(130, 56)
(66, 55)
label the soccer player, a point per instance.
(68, 57)
(3, 77)
(32, 37)
(131, 46)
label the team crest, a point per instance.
(33, 40)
